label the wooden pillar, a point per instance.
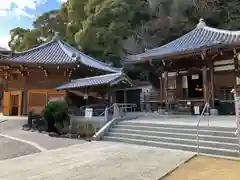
(6, 84)
(179, 89)
(125, 100)
(166, 88)
(109, 96)
(161, 90)
(205, 83)
(125, 96)
(6, 102)
(25, 97)
(212, 86)
(235, 70)
(66, 97)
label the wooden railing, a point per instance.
(152, 97)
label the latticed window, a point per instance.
(225, 94)
(37, 99)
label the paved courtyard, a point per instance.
(12, 128)
(94, 161)
(11, 148)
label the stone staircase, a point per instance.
(219, 141)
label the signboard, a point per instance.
(55, 98)
(195, 76)
(236, 93)
(184, 82)
(88, 113)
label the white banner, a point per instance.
(237, 109)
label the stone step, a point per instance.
(205, 150)
(177, 135)
(192, 142)
(181, 126)
(176, 130)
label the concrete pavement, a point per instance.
(94, 161)
(11, 148)
(12, 128)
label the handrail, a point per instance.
(108, 108)
(199, 120)
(126, 106)
(121, 105)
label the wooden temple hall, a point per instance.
(54, 71)
(198, 67)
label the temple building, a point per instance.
(29, 79)
(199, 67)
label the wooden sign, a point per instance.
(55, 98)
(88, 113)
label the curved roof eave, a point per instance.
(64, 54)
(90, 60)
(202, 36)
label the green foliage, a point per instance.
(51, 22)
(58, 110)
(56, 115)
(108, 23)
(108, 29)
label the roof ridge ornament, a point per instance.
(56, 36)
(201, 23)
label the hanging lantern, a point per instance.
(85, 96)
(233, 91)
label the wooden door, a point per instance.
(133, 97)
(6, 103)
(16, 99)
(10, 100)
(20, 103)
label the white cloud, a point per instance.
(4, 41)
(18, 7)
(63, 1)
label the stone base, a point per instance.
(161, 111)
(213, 112)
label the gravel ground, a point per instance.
(206, 168)
(11, 148)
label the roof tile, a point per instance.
(57, 52)
(200, 37)
(94, 81)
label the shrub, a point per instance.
(56, 115)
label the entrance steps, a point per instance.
(219, 141)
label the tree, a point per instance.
(17, 36)
(110, 29)
(49, 23)
(31, 39)
(24, 39)
(107, 24)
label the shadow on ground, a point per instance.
(11, 148)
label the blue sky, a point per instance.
(22, 13)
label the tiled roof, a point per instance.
(3, 49)
(202, 36)
(57, 52)
(111, 79)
